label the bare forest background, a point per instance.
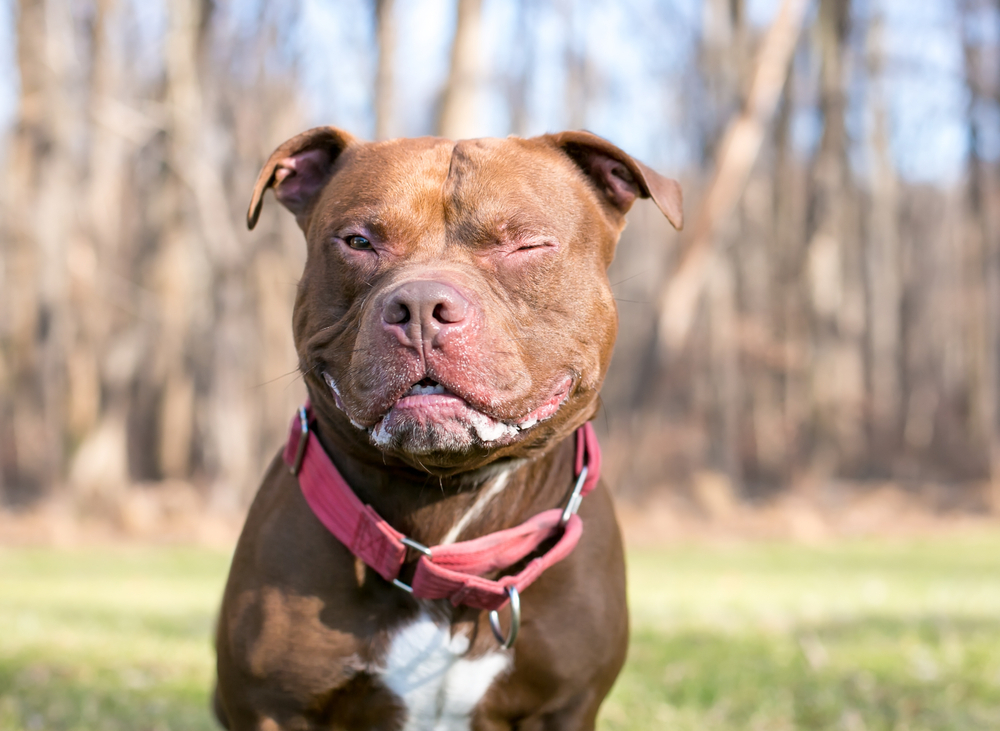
(829, 315)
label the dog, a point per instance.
(420, 555)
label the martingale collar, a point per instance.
(453, 571)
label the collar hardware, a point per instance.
(575, 498)
(300, 451)
(416, 545)
(506, 642)
(454, 571)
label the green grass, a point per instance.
(860, 636)
(103, 639)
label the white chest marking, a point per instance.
(440, 689)
(484, 499)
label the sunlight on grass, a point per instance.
(866, 636)
(107, 639)
(856, 637)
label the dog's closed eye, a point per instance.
(536, 244)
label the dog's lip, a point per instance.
(339, 400)
(429, 394)
(428, 399)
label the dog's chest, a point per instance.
(427, 668)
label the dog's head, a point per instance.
(455, 306)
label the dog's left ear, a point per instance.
(298, 170)
(619, 177)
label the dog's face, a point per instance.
(455, 307)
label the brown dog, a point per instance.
(454, 324)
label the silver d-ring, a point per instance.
(515, 620)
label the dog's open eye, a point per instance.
(358, 242)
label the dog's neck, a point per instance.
(435, 510)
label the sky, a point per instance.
(923, 84)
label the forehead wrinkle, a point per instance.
(472, 209)
(404, 197)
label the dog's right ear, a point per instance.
(298, 170)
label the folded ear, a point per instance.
(619, 177)
(298, 170)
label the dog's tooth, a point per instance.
(418, 390)
(527, 423)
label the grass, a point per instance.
(851, 637)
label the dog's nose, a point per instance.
(424, 311)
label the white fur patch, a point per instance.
(425, 667)
(484, 499)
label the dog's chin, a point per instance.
(450, 439)
(439, 424)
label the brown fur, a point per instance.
(303, 628)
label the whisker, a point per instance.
(302, 376)
(622, 281)
(277, 378)
(604, 412)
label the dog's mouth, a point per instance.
(427, 387)
(430, 417)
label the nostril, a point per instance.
(450, 310)
(396, 313)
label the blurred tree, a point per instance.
(825, 315)
(459, 117)
(41, 192)
(983, 189)
(834, 262)
(883, 265)
(385, 24)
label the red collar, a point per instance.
(453, 571)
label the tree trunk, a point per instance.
(882, 264)
(737, 152)
(834, 266)
(98, 393)
(44, 178)
(985, 267)
(385, 24)
(460, 105)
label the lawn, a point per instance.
(860, 636)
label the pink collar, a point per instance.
(453, 571)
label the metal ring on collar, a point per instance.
(515, 620)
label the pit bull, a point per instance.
(453, 324)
